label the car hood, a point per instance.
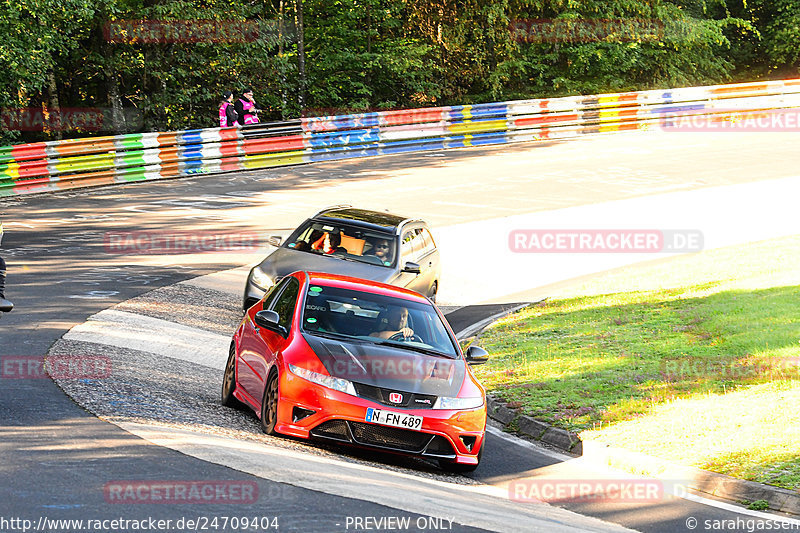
(284, 261)
(389, 367)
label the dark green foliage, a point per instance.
(377, 54)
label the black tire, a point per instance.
(456, 468)
(434, 290)
(269, 405)
(229, 382)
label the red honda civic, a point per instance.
(330, 357)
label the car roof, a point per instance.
(358, 284)
(374, 220)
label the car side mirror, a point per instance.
(412, 268)
(274, 240)
(476, 355)
(269, 320)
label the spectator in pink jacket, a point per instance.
(246, 108)
(227, 111)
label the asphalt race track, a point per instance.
(58, 457)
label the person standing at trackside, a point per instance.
(246, 108)
(227, 111)
(5, 305)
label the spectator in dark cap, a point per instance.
(246, 108)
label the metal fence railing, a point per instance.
(58, 165)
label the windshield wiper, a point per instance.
(420, 349)
(333, 335)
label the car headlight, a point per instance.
(342, 385)
(260, 280)
(445, 402)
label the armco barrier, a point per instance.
(58, 165)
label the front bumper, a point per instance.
(308, 410)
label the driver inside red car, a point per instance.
(396, 324)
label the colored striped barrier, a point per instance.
(59, 165)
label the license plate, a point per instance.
(394, 419)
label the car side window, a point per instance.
(417, 243)
(286, 302)
(272, 293)
(427, 238)
(407, 247)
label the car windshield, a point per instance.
(345, 242)
(363, 316)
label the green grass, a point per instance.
(758, 505)
(695, 359)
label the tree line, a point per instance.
(84, 67)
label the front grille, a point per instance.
(401, 439)
(404, 440)
(381, 395)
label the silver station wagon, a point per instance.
(354, 242)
